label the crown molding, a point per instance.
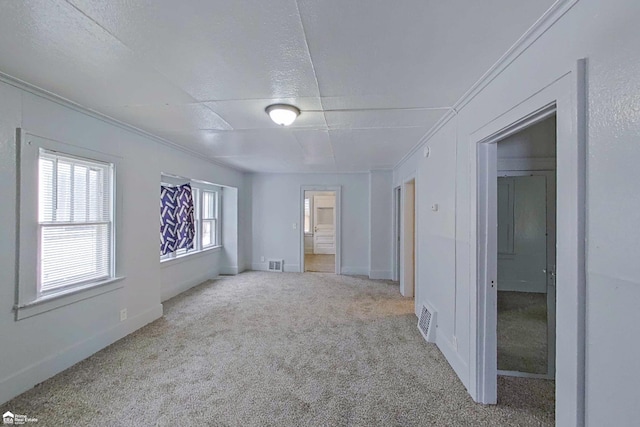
(50, 96)
(541, 26)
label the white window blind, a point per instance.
(75, 215)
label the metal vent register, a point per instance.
(426, 324)
(276, 265)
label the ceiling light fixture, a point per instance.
(282, 114)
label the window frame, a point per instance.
(198, 187)
(29, 300)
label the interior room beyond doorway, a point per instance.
(319, 231)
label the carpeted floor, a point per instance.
(278, 349)
(522, 332)
(320, 263)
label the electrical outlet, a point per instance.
(295, 225)
(123, 314)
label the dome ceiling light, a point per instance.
(282, 114)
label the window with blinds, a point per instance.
(209, 218)
(75, 218)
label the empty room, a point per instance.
(319, 213)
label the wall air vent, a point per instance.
(276, 265)
(427, 324)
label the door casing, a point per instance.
(337, 189)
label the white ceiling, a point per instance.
(200, 73)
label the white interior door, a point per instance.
(324, 225)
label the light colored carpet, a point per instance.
(278, 349)
(522, 332)
(320, 263)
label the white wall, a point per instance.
(276, 207)
(381, 224)
(606, 33)
(40, 346)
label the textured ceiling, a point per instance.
(200, 73)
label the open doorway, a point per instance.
(526, 254)
(320, 230)
(397, 232)
(408, 239)
(564, 99)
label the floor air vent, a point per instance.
(276, 265)
(427, 324)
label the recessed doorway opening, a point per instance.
(408, 238)
(320, 230)
(526, 251)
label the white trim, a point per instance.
(338, 215)
(412, 293)
(188, 256)
(381, 274)
(66, 297)
(541, 26)
(569, 95)
(26, 378)
(230, 270)
(176, 290)
(519, 374)
(530, 164)
(27, 300)
(397, 211)
(50, 96)
(355, 271)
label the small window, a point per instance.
(75, 221)
(206, 199)
(209, 219)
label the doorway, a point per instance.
(526, 264)
(320, 230)
(397, 232)
(564, 98)
(408, 239)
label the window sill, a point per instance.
(193, 255)
(70, 296)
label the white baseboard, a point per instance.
(355, 271)
(450, 353)
(229, 270)
(182, 287)
(381, 274)
(38, 372)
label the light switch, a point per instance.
(295, 225)
(434, 207)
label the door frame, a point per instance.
(412, 292)
(337, 189)
(566, 97)
(397, 232)
(550, 202)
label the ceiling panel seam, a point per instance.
(133, 52)
(315, 76)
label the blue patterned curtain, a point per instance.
(177, 225)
